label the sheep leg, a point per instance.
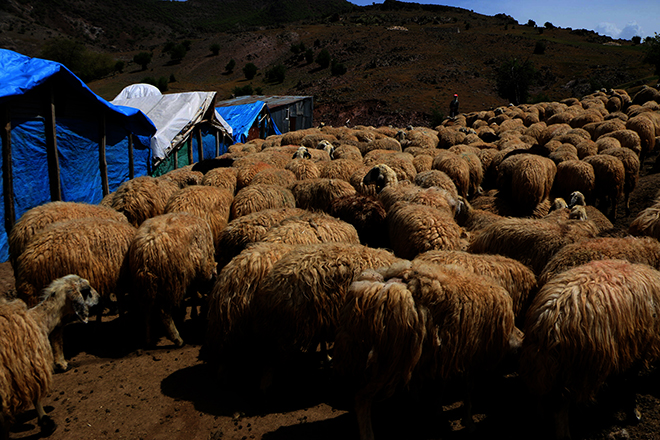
(363, 403)
(562, 431)
(170, 328)
(56, 342)
(468, 422)
(46, 424)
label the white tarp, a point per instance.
(173, 114)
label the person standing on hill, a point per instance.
(453, 106)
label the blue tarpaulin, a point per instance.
(25, 87)
(242, 117)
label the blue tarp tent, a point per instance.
(242, 118)
(61, 141)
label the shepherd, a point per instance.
(453, 106)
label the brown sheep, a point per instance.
(574, 175)
(647, 222)
(36, 219)
(628, 139)
(312, 228)
(531, 241)
(141, 198)
(274, 176)
(248, 229)
(304, 169)
(527, 179)
(610, 178)
(367, 214)
(318, 194)
(339, 169)
(437, 178)
(646, 130)
(93, 248)
(457, 169)
(184, 177)
(644, 250)
(255, 198)
(414, 229)
(170, 258)
(585, 325)
(631, 165)
(26, 358)
(222, 178)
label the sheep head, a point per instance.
(302, 153)
(380, 175)
(73, 296)
(327, 147)
(577, 198)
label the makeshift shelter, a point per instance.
(288, 113)
(60, 141)
(248, 121)
(188, 128)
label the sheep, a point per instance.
(457, 169)
(318, 194)
(299, 300)
(141, 198)
(414, 229)
(610, 178)
(436, 178)
(37, 218)
(246, 173)
(527, 179)
(255, 198)
(518, 279)
(93, 248)
(380, 176)
(574, 175)
(531, 241)
(230, 314)
(472, 219)
(339, 169)
(170, 258)
(206, 165)
(302, 153)
(304, 169)
(647, 223)
(367, 214)
(418, 321)
(645, 129)
(248, 229)
(183, 177)
(585, 325)
(627, 138)
(326, 146)
(274, 176)
(222, 178)
(644, 250)
(401, 163)
(603, 224)
(26, 357)
(631, 166)
(210, 203)
(310, 228)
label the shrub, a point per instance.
(539, 48)
(230, 65)
(514, 79)
(652, 56)
(323, 58)
(143, 59)
(250, 70)
(337, 68)
(245, 90)
(215, 49)
(119, 66)
(276, 73)
(636, 40)
(85, 64)
(531, 23)
(309, 56)
(178, 52)
(549, 25)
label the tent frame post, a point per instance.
(131, 160)
(7, 170)
(103, 163)
(190, 148)
(51, 146)
(200, 145)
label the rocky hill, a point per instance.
(402, 61)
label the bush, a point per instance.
(531, 23)
(119, 66)
(514, 79)
(178, 52)
(250, 70)
(539, 48)
(636, 40)
(245, 90)
(652, 56)
(230, 65)
(85, 64)
(323, 58)
(337, 68)
(309, 56)
(215, 49)
(143, 59)
(298, 48)
(276, 73)
(161, 82)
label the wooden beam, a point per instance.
(190, 148)
(200, 145)
(131, 163)
(217, 142)
(7, 169)
(103, 163)
(51, 146)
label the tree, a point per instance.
(178, 52)
(250, 70)
(230, 65)
(215, 49)
(143, 59)
(652, 56)
(276, 74)
(539, 48)
(549, 25)
(337, 68)
(309, 56)
(514, 79)
(531, 23)
(323, 58)
(636, 40)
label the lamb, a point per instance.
(416, 321)
(644, 250)
(531, 241)
(171, 257)
(585, 325)
(255, 198)
(141, 198)
(26, 357)
(414, 229)
(92, 248)
(37, 218)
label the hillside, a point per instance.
(403, 60)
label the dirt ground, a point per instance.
(116, 390)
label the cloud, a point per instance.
(610, 29)
(631, 30)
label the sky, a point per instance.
(615, 18)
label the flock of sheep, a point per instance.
(405, 256)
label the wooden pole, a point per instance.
(190, 149)
(51, 147)
(200, 145)
(103, 163)
(217, 143)
(7, 169)
(131, 163)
